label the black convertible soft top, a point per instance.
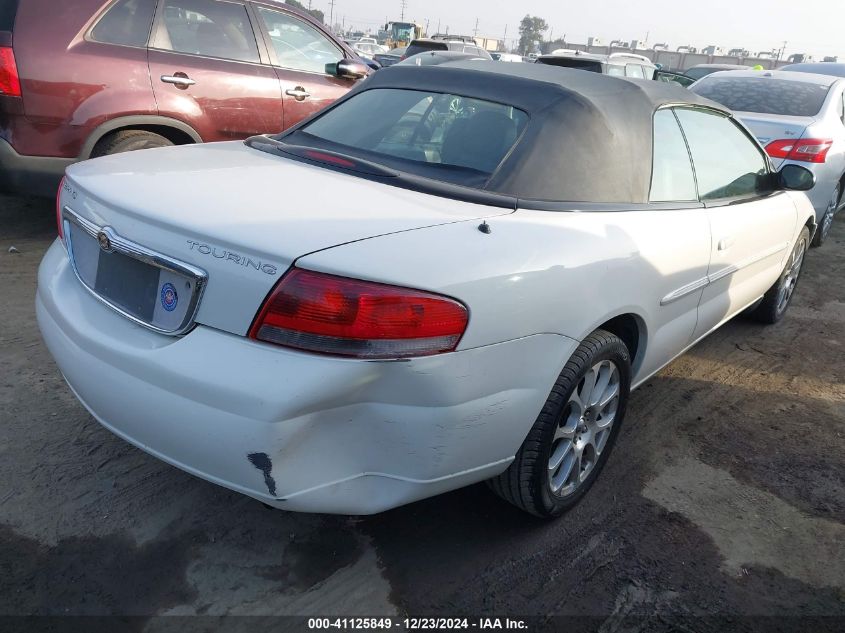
(589, 136)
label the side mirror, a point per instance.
(796, 178)
(351, 69)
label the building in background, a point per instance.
(490, 44)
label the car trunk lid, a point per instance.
(767, 129)
(243, 216)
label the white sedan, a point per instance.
(453, 274)
(368, 49)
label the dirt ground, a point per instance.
(721, 508)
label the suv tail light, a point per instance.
(10, 83)
(59, 226)
(348, 317)
(808, 150)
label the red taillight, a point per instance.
(807, 150)
(10, 83)
(59, 225)
(348, 317)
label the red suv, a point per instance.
(86, 78)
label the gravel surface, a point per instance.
(723, 503)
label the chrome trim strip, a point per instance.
(141, 253)
(680, 293)
(727, 271)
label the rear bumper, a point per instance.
(297, 431)
(34, 175)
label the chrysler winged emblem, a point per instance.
(104, 241)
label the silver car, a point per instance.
(819, 68)
(799, 118)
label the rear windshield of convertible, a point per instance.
(441, 136)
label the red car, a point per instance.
(86, 78)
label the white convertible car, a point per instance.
(453, 274)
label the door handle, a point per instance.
(299, 93)
(725, 243)
(180, 80)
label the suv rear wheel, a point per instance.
(128, 141)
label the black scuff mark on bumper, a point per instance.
(262, 462)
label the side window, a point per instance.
(672, 179)
(727, 163)
(127, 22)
(842, 108)
(635, 71)
(615, 70)
(212, 28)
(298, 45)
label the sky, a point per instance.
(809, 26)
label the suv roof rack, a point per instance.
(632, 55)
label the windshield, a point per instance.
(442, 136)
(403, 32)
(570, 62)
(698, 73)
(420, 47)
(764, 95)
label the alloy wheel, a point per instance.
(790, 279)
(827, 218)
(584, 428)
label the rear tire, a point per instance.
(826, 221)
(777, 299)
(572, 437)
(128, 141)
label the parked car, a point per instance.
(86, 78)
(367, 49)
(425, 45)
(615, 64)
(506, 57)
(434, 58)
(429, 307)
(391, 57)
(822, 68)
(702, 70)
(672, 77)
(799, 118)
